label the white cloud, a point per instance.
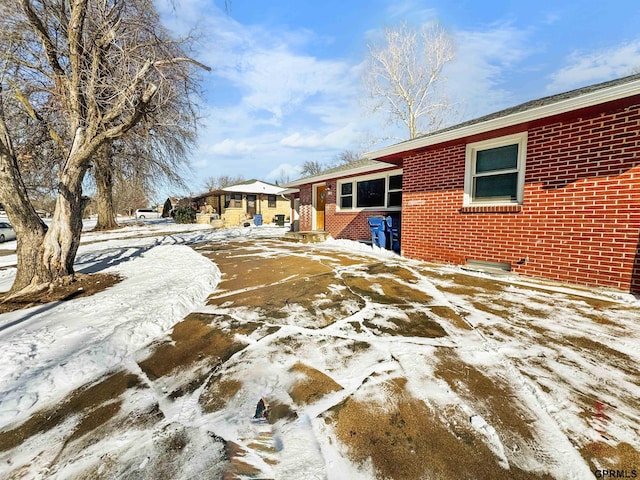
(279, 81)
(298, 140)
(410, 10)
(267, 70)
(340, 138)
(229, 147)
(482, 61)
(588, 68)
(284, 172)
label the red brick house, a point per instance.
(332, 201)
(550, 188)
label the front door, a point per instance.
(251, 205)
(321, 200)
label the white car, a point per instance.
(6, 232)
(147, 213)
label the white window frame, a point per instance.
(472, 149)
(354, 181)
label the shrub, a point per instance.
(166, 209)
(185, 215)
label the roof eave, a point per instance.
(342, 173)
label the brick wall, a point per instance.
(580, 218)
(306, 208)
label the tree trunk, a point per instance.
(62, 240)
(103, 173)
(29, 227)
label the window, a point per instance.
(395, 191)
(346, 195)
(233, 200)
(271, 201)
(495, 171)
(372, 191)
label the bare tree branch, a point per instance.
(404, 73)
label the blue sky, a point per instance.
(285, 85)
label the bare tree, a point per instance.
(129, 194)
(153, 153)
(221, 181)
(283, 177)
(15, 200)
(311, 167)
(103, 173)
(404, 73)
(97, 68)
(347, 157)
(38, 156)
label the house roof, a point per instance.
(249, 186)
(353, 168)
(254, 186)
(534, 110)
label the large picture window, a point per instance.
(495, 171)
(371, 191)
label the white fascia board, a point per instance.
(588, 99)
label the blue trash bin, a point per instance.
(257, 220)
(393, 233)
(378, 235)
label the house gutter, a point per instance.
(558, 107)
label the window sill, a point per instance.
(514, 208)
(368, 209)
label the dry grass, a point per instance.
(493, 398)
(606, 354)
(382, 269)
(416, 324)
(273, 285)
(193, 341)
(238, 469)
(603, 456)
(242, 271)
(471, 284)
(312, 385)
(94, 404)
(218, 392)
(407, 440)
(450, 315)
(274, 301)
(491, 307)
(394, 292)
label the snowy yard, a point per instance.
(372, 365)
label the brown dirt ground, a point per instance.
(82, 286)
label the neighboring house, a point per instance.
(550, 188)
(238, 203)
